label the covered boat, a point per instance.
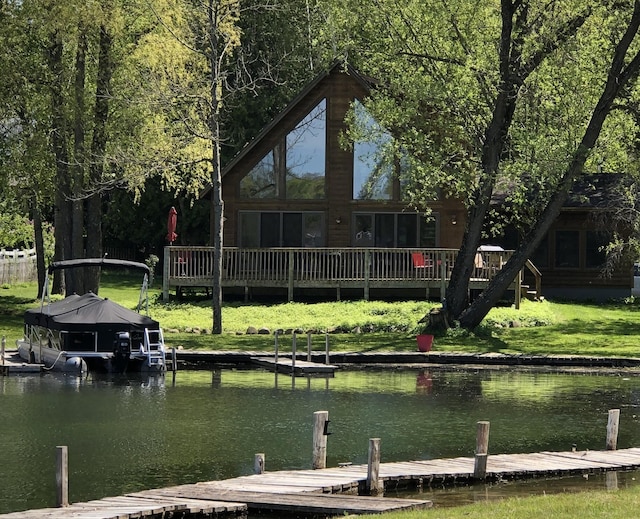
(85, 332)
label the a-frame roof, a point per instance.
(336, 68)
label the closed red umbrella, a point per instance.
(172, 223)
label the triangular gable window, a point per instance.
(295, 168)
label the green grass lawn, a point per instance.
(611, 329)
(620, 504)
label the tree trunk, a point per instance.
(62, 210)
(98, 147)
(39, 239)
(77, 169)
(217, 208)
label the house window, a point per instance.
(372, 171)
(540, 256)
(281, 229)
(567, 249)
(392, 230)
(595, 254)
(295, 168)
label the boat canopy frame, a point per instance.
(99, 262)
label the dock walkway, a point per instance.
(333, 491)
(287, 365)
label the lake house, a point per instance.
(307, 215)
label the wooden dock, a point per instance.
(12, 363)
(333, 491)
(286, 365)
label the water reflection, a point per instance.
(127, 433)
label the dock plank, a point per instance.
(316, 503)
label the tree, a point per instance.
(503, 91)
(226, 71)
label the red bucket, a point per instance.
(424, 342)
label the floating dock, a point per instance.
(333, 491)
(299, 367)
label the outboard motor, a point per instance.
(121, 351)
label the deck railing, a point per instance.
(337, 268)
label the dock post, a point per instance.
(174, 360)
(482, 448)
(62, 475)
(275, 345)
(258, 463)
(375, 487)
(293, 353)
(308, 346)
(326, 348)
(320, 423)
(3, 345)
(612, 429)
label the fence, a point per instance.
(17, 266)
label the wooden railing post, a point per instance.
(62, 476)
(308, 346)
(367, 262)
(3, 345)
(320, 422)
(482, 449)
(612, 429)
(375, 487)
(290, 278)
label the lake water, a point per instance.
(130, 434)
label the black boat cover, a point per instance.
(88, 313)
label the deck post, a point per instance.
(482, 449)
(375, 487)
(320, 422)
(308, 346)
(612, 429)
(275, 346)
(62, 475)
(518, 290)
(165, 274)
(258, 463)
(3, 345)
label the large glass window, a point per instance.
(294, 168)
(306, 147)
(261, 181)
(394, 230)
(276, 229)
(567, 249)
(372, 170)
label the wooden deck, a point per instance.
(333, 491)
(295, 269)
